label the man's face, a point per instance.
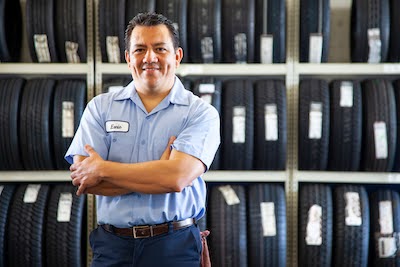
(152, 58)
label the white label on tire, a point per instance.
(71, 50)
(31, 193)
(375, 45)
(67, 119)
(115, 88)
(207, 88)
(113, 51)
(207, 49)
(207, 98)
(239, 125)
(386, 217)
(267, 48)
(268, 218)
(64, 207)
(314, 226)
(229, 195)
(271, 122)
(241, 48)
(315, 48)
(315, 121)
(387, 247)
(353, 209)
(42, 48)
(346, 94)
(380, 137)
(1, 189)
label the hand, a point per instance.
(85, 174)
(167, 151)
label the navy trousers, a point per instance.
(181, 248)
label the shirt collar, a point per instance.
(178, 94)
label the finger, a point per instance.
(171, 140)
(73, 167)
(81, 190)
(90, 150)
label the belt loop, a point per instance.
(170, 228)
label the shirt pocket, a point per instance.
(121, 147)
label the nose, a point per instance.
(150, 56)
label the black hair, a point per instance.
(150, 19)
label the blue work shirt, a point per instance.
(120, 129)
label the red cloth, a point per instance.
(205, 255)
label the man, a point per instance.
(148, 197)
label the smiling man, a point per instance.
(142, 151)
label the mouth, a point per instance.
(150, 68)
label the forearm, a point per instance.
(151, 177)
(107, 189)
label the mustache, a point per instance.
(150, 65)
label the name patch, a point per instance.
(117, 126)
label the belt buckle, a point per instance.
(134, 228)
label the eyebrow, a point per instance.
(156, 44)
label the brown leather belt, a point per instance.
(144, 231)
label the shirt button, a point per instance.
(148, 118)
(143, 142)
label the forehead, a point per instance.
(150, 35)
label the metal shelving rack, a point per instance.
(56, 69)
(292, 71)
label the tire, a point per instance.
(378, 106)
(134, 7)
(10, 100)
(267, 245)
(228, 246)
(387, 201)
(115, 83)
(210, 89)
(204, 26)
(112, 24)
(313, 152)
(238, 31)
(66, 232)
(26, 228)
(351, 233)
(394, 53)
(270, 151)
(69, 96)
(237, 138)
(314, 19)
(312, 253)
(366, 15)
(71, 29)
(271, 19)
(7, 192)
(396, 89)
(40, 21)
(345, 126)
(10, 30)
(36, 124)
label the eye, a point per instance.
(161, 49)
(138, 50)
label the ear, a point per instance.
(128, 58)
(178, 56)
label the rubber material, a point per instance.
(5, 203)
(274, 23)
(315, 255)
(10, 30)
(345, 128)
(237, 155)
(10, 98)
(204, 27)
(228, 241)
(394, 51)
(66, 91)
(238, 31)
(134, 7)
(313, 153)
(26, 228)
(310, 15)
(270, 154)
(66, 240)
(267, 250)
(378, 106)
